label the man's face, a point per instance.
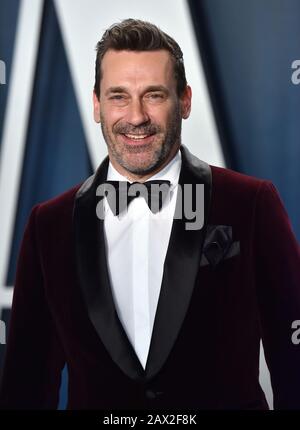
(139, 110)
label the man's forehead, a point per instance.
(130, 60)
(142, 65)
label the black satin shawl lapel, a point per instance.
(94, 277)
(180, 270)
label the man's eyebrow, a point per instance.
(150, 88)
(153, 88)
(115, 90)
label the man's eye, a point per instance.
(116, 97)
(156, 96)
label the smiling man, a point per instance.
(140, 107)
(146, 313)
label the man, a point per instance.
(145, 312)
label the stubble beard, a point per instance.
(158, 151)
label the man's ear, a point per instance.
(186, 101)
(96, 103)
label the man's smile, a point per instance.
(137, 139)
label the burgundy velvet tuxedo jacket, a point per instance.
(224, 287)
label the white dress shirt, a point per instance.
(136, 245)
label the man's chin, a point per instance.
(139, 169)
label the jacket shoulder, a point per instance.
(229, 181)
(61, 205)
(237, 185)
(238, 194)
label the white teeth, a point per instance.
(136, 136)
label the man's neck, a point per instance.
(142, 178)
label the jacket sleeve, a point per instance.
(34, 357)
(277, 257)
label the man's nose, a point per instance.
(137, 113)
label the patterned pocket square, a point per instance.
(218, 245)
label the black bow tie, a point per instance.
(154, 192)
